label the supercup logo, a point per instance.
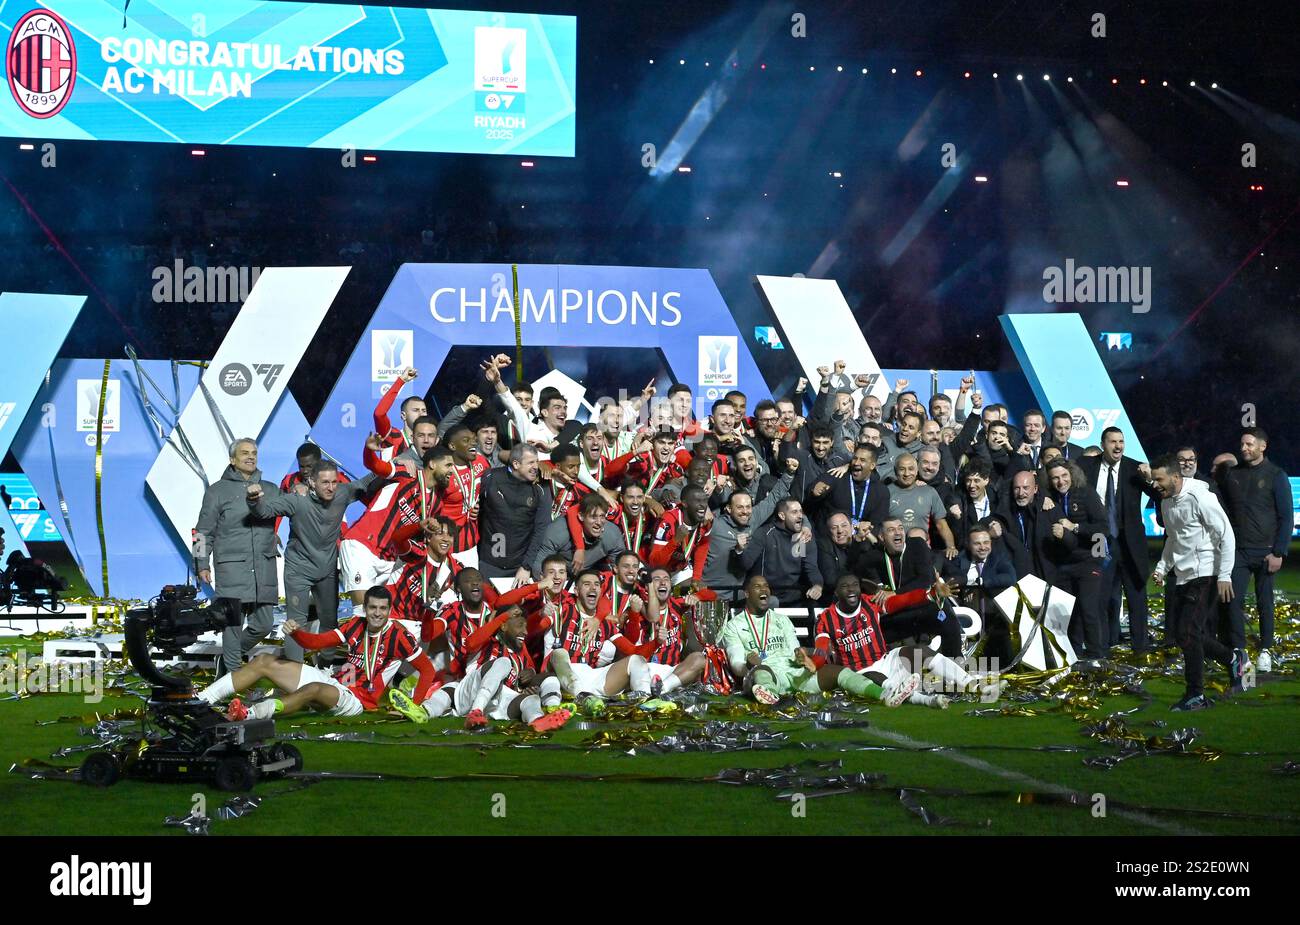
(42, 64)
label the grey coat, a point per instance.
(556, 541)
(314, 526)
(243, 544)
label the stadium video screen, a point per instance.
(311, 75)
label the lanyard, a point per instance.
(753, 628)
(858, 509)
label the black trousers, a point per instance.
(922, 621)
(1193, 613)
(1087, 632)
(1124, 574)
(1232, 616)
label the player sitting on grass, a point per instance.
(581, 650)
(849, 638)
(503, 687)
(764, 652)
(662, 627)
(375, 646)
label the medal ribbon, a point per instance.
(753, 628)
(561, 499)
(468, 494)
(627, 534)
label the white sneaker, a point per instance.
(898, 688)
(1264, 662)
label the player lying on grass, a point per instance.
(374, 644)
(764, 653)
(502, 684)
(849, 638)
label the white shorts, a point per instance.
(659, 672)
(348, 704)
(360, 569)
(588, 680)
(467, 557)
(890, 664)
(467, 689)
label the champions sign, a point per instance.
(430, 308)
(256, 72)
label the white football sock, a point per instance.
(949, 670)
(219, 689)
(638, 674)
(439, 702)
(550, 691)
(490, 686)
(530, 708)
(560, 667)
(263, 709)
(672, 682)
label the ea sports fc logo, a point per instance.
(42, 63)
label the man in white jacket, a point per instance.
(1199, 552)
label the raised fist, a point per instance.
(409, 374)
(471, 403)
(791, 465)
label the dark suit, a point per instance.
(911, 569)
(1025, 532)
(1129, 566)
(1071, 451)
(1078, 570)
(970, 514)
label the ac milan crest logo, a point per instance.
(42, 63)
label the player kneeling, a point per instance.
(499, 685)
(374, 644)
(764, 653)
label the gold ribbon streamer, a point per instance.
(99, 473)
(519, 336)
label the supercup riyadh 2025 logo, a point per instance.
(42, 63)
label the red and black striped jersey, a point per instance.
(371, 661)
(854, 640)
(419, 586)
(614, 601)
(393, 439)
(666, 552)
(670, 636)
(636, 531)
(562, 497)
(652, 475)
(582, 637)
(519, 661)
(399, 503)
(461, 494)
